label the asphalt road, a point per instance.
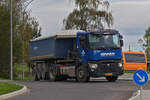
(71, 90)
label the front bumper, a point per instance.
(106, 68)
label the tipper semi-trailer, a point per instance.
(78, 54)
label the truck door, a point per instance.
(82, 46)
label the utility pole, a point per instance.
(11, 39)
(129, 48)
(23, 30)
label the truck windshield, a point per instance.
(104, 41)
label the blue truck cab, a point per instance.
(102, 52)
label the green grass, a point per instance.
(27, 73)
(7, 88)
(29, 78)
(131, 72)
(3, 78)
(128, 72)
(18, 73)
(19, 68)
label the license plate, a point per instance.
(108, 74)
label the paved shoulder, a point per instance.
(145, 95)
(71, 90)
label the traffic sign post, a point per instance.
(141, 88)
(140, 77)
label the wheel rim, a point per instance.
(43, 76)
(81, 74)
(51, 75)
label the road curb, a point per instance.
(136, 96)
(15, 93)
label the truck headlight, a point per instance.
(93, 66)
(120, 64)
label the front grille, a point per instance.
(108, 67)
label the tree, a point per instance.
(4, 42)
(25, 28)
(145, 43)
(87, 15)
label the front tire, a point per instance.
(82, 74)
(111, 78)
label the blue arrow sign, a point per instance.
(140, 77)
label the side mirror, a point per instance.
(120, 36)
(121, 42)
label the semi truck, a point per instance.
(78, 55)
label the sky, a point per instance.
(131, 17)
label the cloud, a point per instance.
(131, 17)
(128, 1)
(50, 14)
(133, 42)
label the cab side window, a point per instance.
(82, 41)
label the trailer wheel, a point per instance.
(82, 74)
(36, 77)
(43, 76)
(46, 76)
(53, 73)
(35, 74)
(52, 76)
(111, 78)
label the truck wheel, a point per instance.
(111, 78)
(52, 76)
(46, 76)
(53, 73)
(43, 76)
(35, 74)
(36, 77)
(82, 74)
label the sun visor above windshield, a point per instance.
(106, 31)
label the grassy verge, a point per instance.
(132, 72)
(19, 68)
(3, 78)
(18, 73)
(29, 78)
(7, 88)
(27, 73)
